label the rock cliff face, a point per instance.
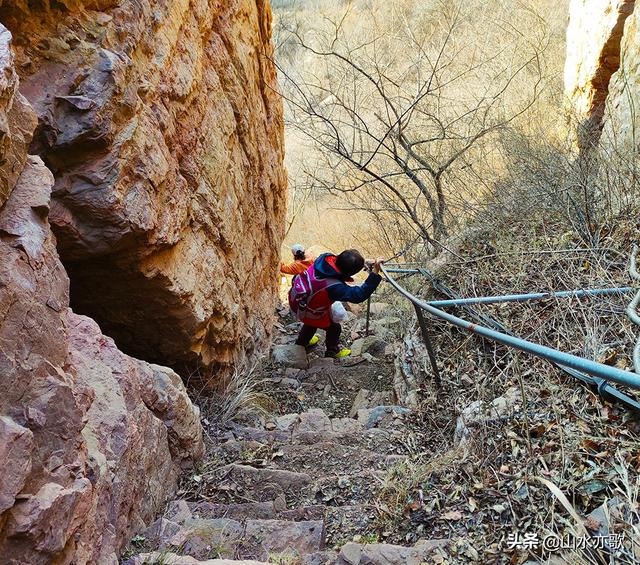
(595, 47)
(160, 123)
(80, 422)
(156, 142)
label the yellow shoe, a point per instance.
(314, 341)
(343, 353)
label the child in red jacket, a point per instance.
(324, 283)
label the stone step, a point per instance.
(349, 432)
(375, 439)
(257, 510)
(252, 538)
(326, 458)
(240, 432)
(387, 554)
(169, 558)
(339, 490)
(196, 537)
(344, 522)
(295, 543)
(263, 538)
(258, 484)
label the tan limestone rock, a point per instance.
(622, 119)
(594, 35)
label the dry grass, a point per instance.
(562, 452)
(236, 396)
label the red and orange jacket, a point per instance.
(297, 267)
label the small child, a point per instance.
(300, 261)
(323, 283)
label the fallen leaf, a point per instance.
(592, 486)
(592, 523)
(452, 515)
(412, 507)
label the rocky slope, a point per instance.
(164, 133)
(80, 422)
(597, 40)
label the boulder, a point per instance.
(315, 420)
(480, 411)
(379, 327)
(320, 365)
(380, 415)
(355, 309)
(369, 399)
(372, 345)
(290, 356)
(287, 422)
(379, 308)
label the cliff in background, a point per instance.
(622, 123)
(601, 67)
(163, 131)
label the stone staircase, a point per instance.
(315, 487)
(298, 488)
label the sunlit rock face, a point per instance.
(594, 37)
(622, 118)
(92, 441)
(163, 130)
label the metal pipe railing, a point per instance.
(632, 309)
(398, 270)
(606, 372)
(531, 296)
(604, 388)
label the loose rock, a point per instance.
(290, 356)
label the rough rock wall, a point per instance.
(622, 117)
(91, 440)
(594, 36)
(161, 125)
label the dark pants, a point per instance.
(333, 337)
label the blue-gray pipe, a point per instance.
(395, 270)
(606, 372)
(531, 296)
(632, 309)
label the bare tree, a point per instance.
(399, 113)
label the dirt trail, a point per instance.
(304, 484)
